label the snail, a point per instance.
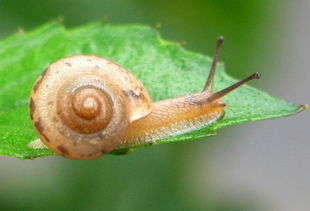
(85, 106)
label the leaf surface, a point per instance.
(165, 68)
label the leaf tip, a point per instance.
(20, 30)
(304, 107)
(301, 108)
(157, 25)
(104, 20)
(60, 19)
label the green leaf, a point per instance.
(165, 68)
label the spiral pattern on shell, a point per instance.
(81, 106)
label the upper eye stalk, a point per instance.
(209, 83)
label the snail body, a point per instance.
(84, 106)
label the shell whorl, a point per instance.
(81, 105)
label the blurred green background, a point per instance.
(167, 177)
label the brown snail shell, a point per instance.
(81, 105)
